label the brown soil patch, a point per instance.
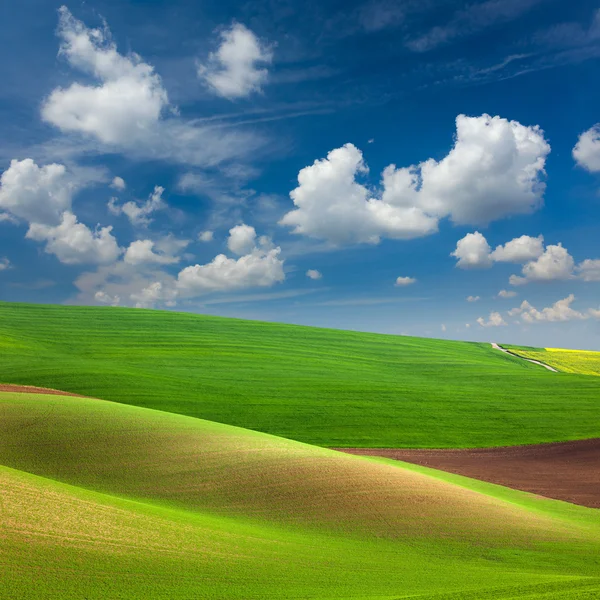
(568, 471)
(32, 389)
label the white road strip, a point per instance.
(535, 362)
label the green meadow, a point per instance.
(319, 386)
(104, 500)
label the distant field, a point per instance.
(103, 500)
(583, 362)
(326, 387)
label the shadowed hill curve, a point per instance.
(188, 463)
(142, 503)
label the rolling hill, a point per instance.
(324, 387)
(101, 499)
(582, 362)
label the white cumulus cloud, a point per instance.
(519, 250)
(36, 194)
(494, 170)
(126, 108)
(242, 238)
(559, 311)
(473, 252)
(152, 294)
(127, 102)
(260, 266)
(237, 69)
(473, 298)
(139, 214)
(506, 294)
(332, 205)
(206, 236)
(118, 183)
(103, 298)
(495, 320)
(587, 150)
(554, 264)
(589, 270)
(74, 243)
(404, 281)
(142, 251)
(314, 274)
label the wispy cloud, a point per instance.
(260, 297)
(471, 20)
(368, 301)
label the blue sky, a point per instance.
(383, 166)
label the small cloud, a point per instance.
(560, 311)
(371, 141)
(103, 298)
(404, 281)
(4, 264)
(473, 298)
(443, 327)
(118, 183)
(234, 70)
(206, 236)
(314, 274)
(495, 320)
(506, 294)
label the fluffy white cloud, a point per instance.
(236, 69)
(506, 294)
(554, 264)
(4, 264)
(141, 251)
(587, 149)
(139, 214)
(260, 267)
(257, 269)
(494, 170)
(129, 99)
(103, 298)
(36, 194)
(127, 109)
(152, 294)
(404, 281)
(118, 183)
(242, 238)
(314, 274)
(495, 320)
(473, 298)
(519, 250)
(42, 196)
(589, 270)
(333, 206)
(74, 243)
(559, 311)
(473, 252)
(206, 236)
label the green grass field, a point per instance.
(104, 500)
(325, 387)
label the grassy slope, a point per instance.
(171, 507)
(582, 362)
(326, 387)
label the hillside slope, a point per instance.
(326, 387)
(141, 503)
